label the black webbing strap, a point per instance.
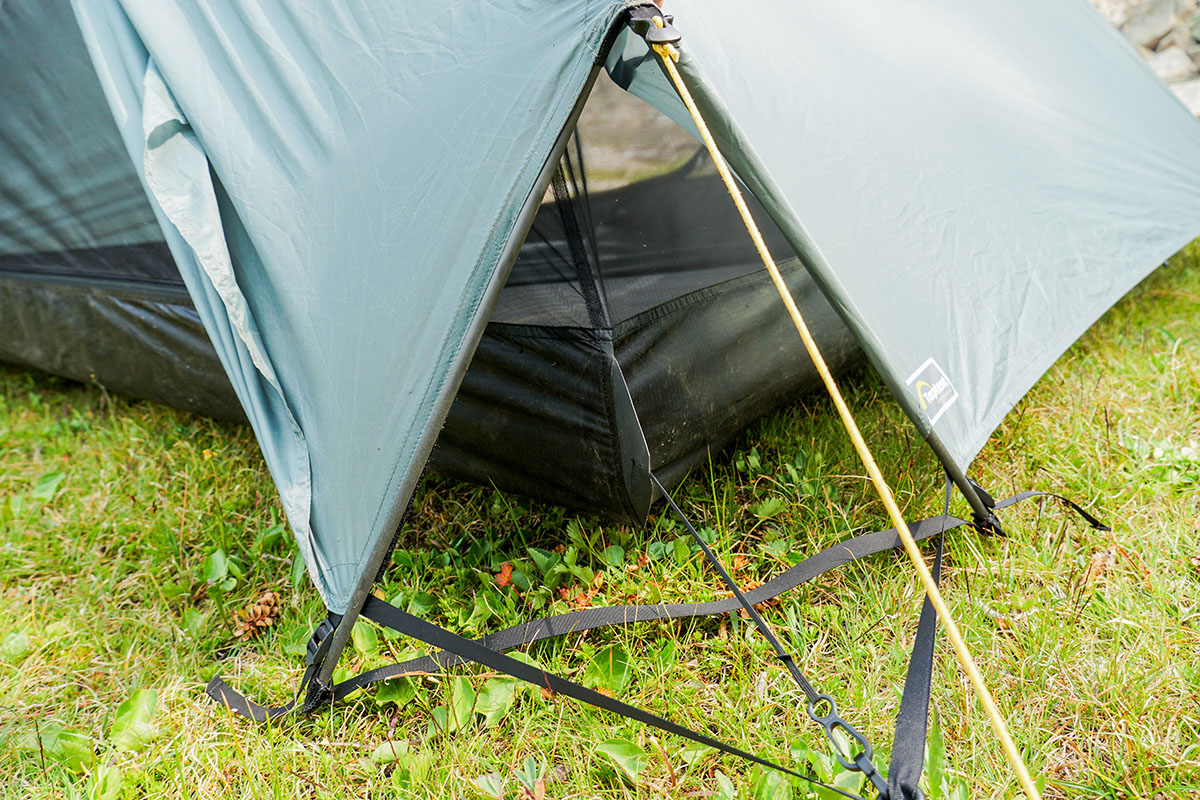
(405, 623)
(912, 720)
(456, 650)
(587, 619)
(243, 706)
(592, 618)
(908, 744)
(238, 703)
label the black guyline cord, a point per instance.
(829, 718)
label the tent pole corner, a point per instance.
(984, 517)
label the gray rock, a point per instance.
(1189, 93)
(1115, 11)
(1150, 21)
(1179, 36)
(1172, 64)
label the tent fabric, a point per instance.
(148, 119)
(690, 347)
(319, 150)
(972, 184)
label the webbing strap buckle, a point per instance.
(318, 694)
(986, 524)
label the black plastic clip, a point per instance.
(317, 694)
(856, 762)
(989, 524)
(641, 21)
(319, 634)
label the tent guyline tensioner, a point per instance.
(850, 747)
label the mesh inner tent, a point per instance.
(636, 216)
(637, 331)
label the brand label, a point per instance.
(935, 392)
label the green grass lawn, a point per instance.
(131, 534)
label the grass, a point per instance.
(131, 534)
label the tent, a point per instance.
(344, 199)
(597, 354)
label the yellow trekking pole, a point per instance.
(669, 55)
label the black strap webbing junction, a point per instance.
(454, 650)
(587, 619)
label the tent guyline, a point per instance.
(663, 40)
(822, 708)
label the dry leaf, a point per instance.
(750, 587)
(1097, 566)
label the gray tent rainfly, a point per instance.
(539, 409)
(342, 208)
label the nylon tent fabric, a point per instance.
(300, 168)
(972, 184)
(688, 329)
(310, 161)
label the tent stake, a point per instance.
(669, 54)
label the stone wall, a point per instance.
(1167, 34)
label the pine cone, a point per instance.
(251, 622)
(750, 586)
